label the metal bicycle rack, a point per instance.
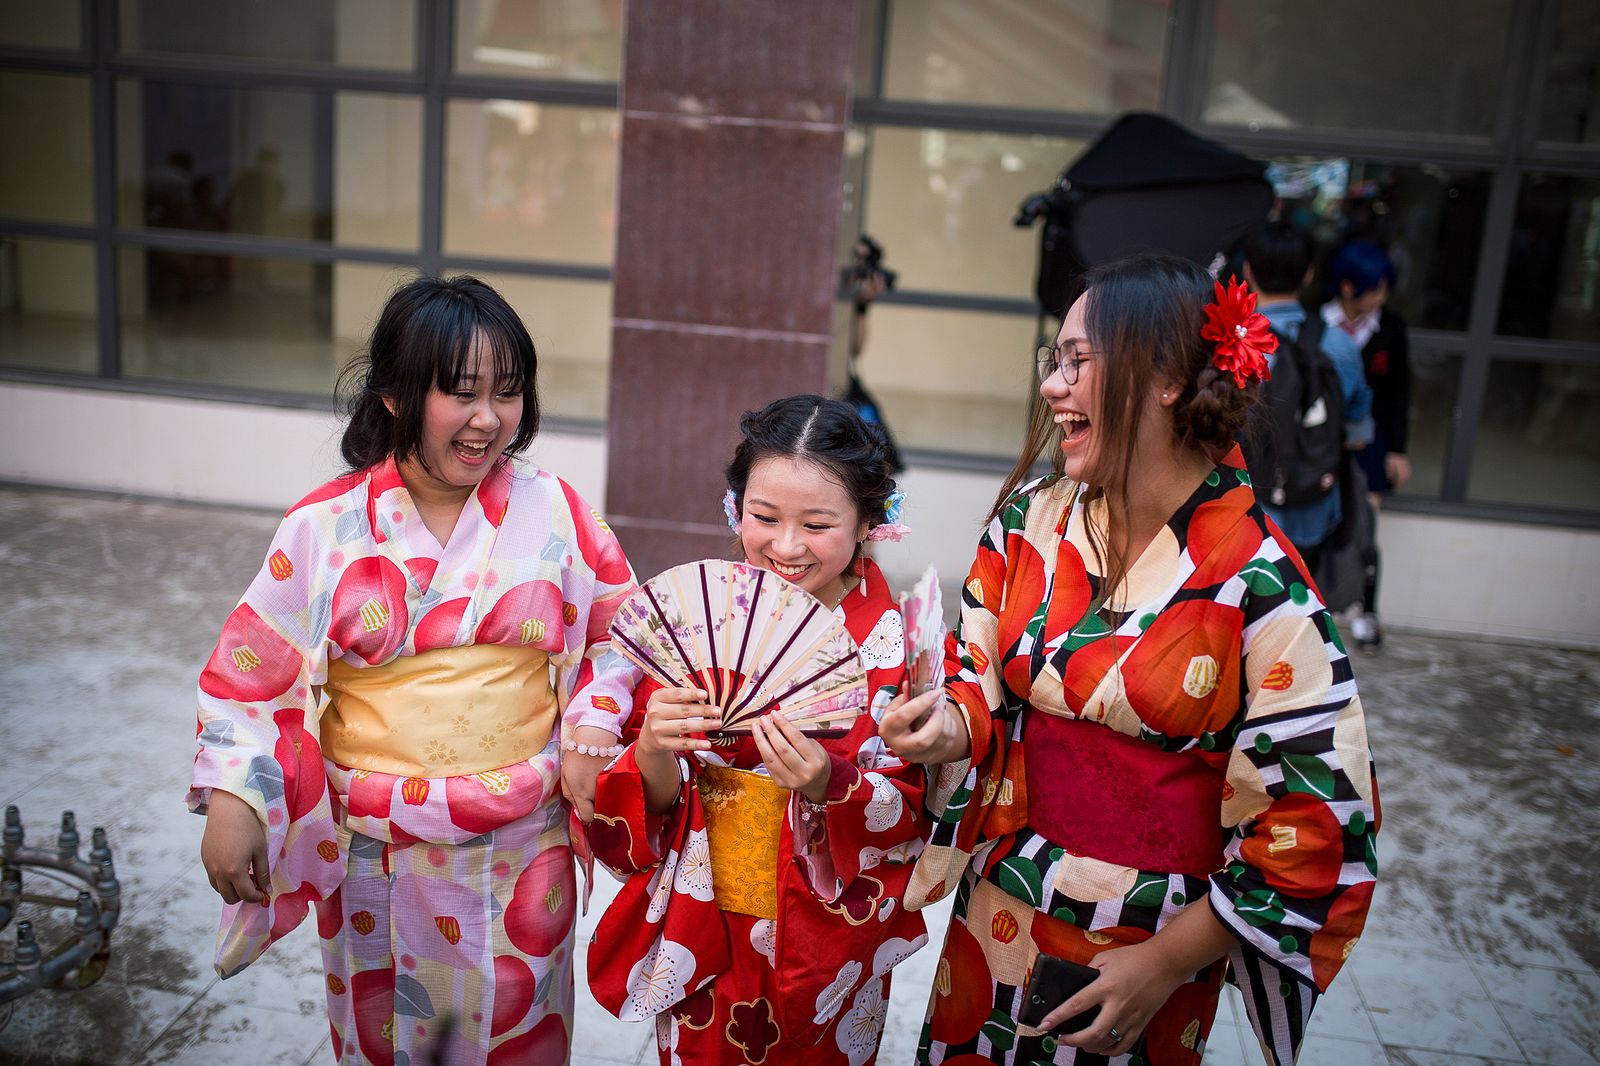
(80, 958)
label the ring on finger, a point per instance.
(1116, 1037)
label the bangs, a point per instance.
(508, 350)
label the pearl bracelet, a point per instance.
(610, 752)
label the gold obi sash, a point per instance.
(744, 821)
(443, 713)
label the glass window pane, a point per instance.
(31, 24)
(570, 321)
(270, 163)
(941, 204)
(1536, 441)
(47, 304)
(1059, 55)
(951, 381)
(1435, 380)
(368, 34)
(1428, 218)
(1428, 65)
(530, 181)
(572, 40)
(1571, 109)
(1552, 285)
(230, 320)
(44, 126)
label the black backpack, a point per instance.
(1295, 441)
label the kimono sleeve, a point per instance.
(1300, 804)
(257, 735)
(596, 684)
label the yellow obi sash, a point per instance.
(744, 821)
(443, 713)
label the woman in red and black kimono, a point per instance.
(1153, 760)
(762, 911)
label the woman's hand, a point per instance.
(234, 849)
(670, 716)
(1134, 983)
(579, 772)
(927, 729)
(1398, 469)
(794, 760)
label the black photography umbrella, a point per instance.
(1147, 185)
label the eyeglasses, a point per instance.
(1067, 358)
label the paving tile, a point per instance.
(1333, 1051)
(212, 1032)
(1399, 1056)
(1554, 1015)
(1433, 1001)
(1340, 1013)
(1227, 1046)
(107, 1023)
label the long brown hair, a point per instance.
(1144, 315)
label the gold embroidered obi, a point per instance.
(744, 821)
(442, 713)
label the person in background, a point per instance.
(1360, 277)
(1277, 265)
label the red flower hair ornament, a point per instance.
(1241, 333)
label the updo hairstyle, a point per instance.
(829, 433)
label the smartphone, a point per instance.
(1051, 983)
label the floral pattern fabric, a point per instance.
(811, 985)
(1218, 647)
(436, 897)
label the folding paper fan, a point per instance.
(752, 641)
(923, 609)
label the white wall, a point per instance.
(1441, 575)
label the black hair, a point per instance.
(1278, 254)
(1361, 263)
(852, 452)
(423, 340)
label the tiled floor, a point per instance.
(1482, 947)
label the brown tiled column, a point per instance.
(732, 163)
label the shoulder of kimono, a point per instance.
(351, 486)
(875, 599)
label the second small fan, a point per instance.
(755, 643)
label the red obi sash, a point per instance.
(1112, 797)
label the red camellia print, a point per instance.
(1298, 845)
(536, 603)
(513, 993)
(374, 1003)
(476, 809)
(1182, 677)
(1331, 944)
(369, 609)
(438, 628)
(1222, 538)
(604, 559)
(545, 1042)
(252, 663)
(304, 780)
(963, 993)
(543, 904)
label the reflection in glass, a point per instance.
(270, 163)
(570, 40)
(230, 320)
(370, 34)
(951, 381)
(1435, 379)
(1058, 55)
(44, 135)
(1571, 105)
(1428, 218)
(941, 204)
(1536, 441)
(47, 304)
(31, 24)
(1434, 66)
(1552, 286)
(570, 321)
(530, 181)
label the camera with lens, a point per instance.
(1054, 203)
(866, 278)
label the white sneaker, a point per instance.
(1368, 634)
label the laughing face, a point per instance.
(465, 431)
(1074, 406)
(801, 524)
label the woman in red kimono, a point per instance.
(1154, 760)
(808, 844)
